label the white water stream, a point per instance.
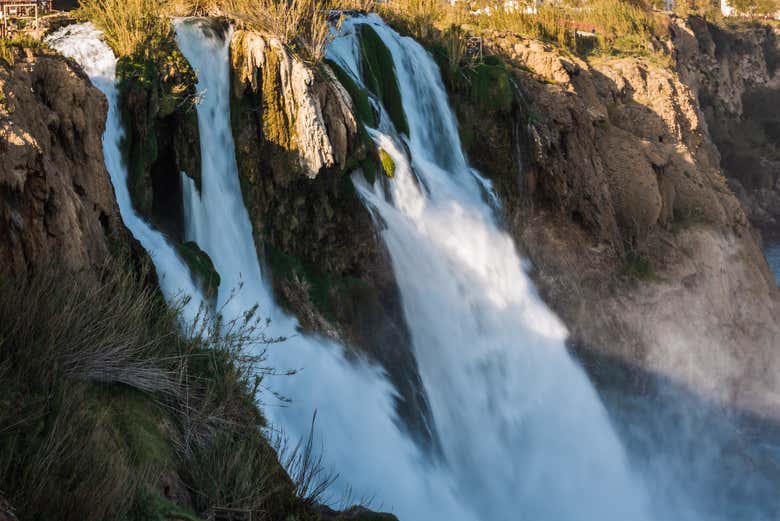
(520, 425)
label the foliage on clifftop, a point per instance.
(11, 49)
(595, 26)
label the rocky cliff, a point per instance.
(614, 189)
(58, 205)
(733, 73)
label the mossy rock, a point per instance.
(363, 110)
(388, 165)
(379, 76)
(156, 93)
(490, 85)
(201, 267)
(286, 267)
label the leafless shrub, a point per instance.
(305, 466)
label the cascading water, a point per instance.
(83, 43)
(521, 427)
(516, 437)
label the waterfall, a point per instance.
(356, 417)
(521, 429)
(520, 425)
(83, 43)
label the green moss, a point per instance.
(201, 268)
(150, 506)
(286, 267)
(637, 266)
(326, 291)
(276, 125)
(490, 85)
(379, 76)
(388, 165)
(363, 109)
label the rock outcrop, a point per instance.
(157, 97)
(636, 239)
(57, 203)
(733, 73)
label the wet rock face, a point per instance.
(157, 97)
(636, 238)
(56, 199)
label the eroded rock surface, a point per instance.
(637, 240)
(733, 72)
(57, 204)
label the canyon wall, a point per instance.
(733, 72)
(614, 189)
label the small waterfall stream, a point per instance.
(83, 43)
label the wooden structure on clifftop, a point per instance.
(15, 14)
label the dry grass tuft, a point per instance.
(102, 391)
(301, 25)
(131, 27)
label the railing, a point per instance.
(14, 13)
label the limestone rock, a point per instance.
(57, 204)
(319, 113)
(622, 166)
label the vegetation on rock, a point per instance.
(10, 49)
(360, 100)
(388, 165)
(379, 76)
(109, 411)
(201, 267)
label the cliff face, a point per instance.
(733, 73)
(636, 239)
(58, 205)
